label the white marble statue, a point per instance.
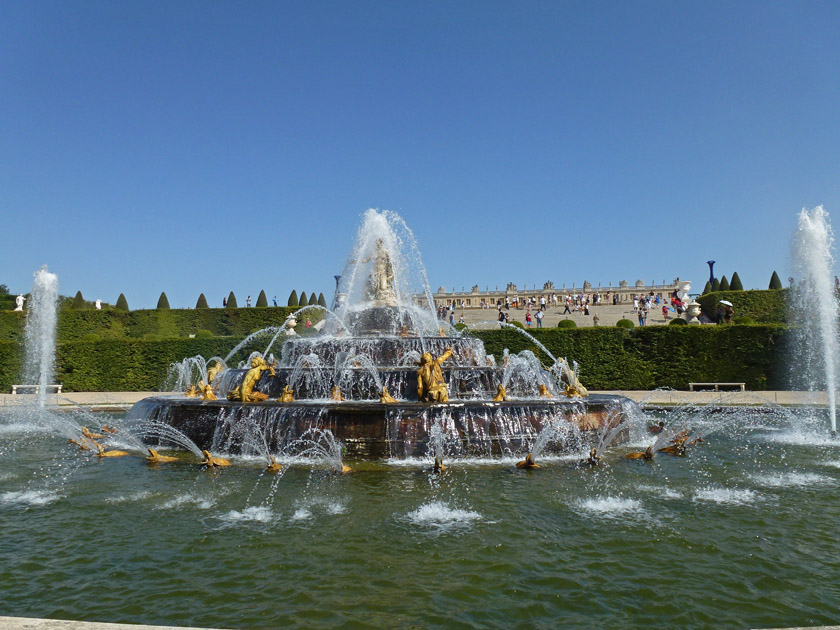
(19, 300)
(381, 283)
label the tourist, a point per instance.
(224, 302)
(719, 315)
(727, 314)
(502, 318)
(568, 310)
(452, 316)
(308, 323)
(461, 319)
(539, 317)
(640, 313)
(665, 312)
(595, 319)
(275, 300)
(528, 318)
(248, 302)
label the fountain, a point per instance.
(383, 375)
(814, 305)
(39, 334)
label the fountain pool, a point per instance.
(741, 532)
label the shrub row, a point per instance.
(609, 357)
(766, 307)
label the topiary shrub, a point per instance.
(678, 322)
(321, 300)
(566, 323)
(163, 302)
(735, 283)
(304, 300)
(775, 283)
(204, 333)
(202, 302)
(122, 303)
(313, 301)
(517, 324)
(707, 288)
(716, 285)
(724, 284)
(624, 323)
(293, 299)
(459, 326)
(231, 301)
(79, 301)
(262, 301)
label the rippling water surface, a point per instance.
(740, 533)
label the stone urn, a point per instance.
(693, 311)
(290, 326)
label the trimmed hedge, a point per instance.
(766, 307)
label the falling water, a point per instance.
(41, 316)
(815, 302)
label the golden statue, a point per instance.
(345, 469)
(214, 371)
(212, 462)
(335, 394)
(439, 467)
(404, 332)
(501, 394)
(544, 393)
(91, 436)
(594, 459)
(273, 466)
(107, 429)
(430, 384)
(385, 397)
(646, 454)
(528, 462)
(245, 392)
(191, 392)
(442, 332)
(287, 395)
(84, 445)
(156, 458)
(574, 388)
(207, 392)
(103, 453)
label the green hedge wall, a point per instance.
(93, 325)
(766, 307)
(609, 357)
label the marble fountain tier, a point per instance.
(386, 378)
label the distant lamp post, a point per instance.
(711, 264)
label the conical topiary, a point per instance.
(231, 303)
(262, 300)
(321, 300)
(122, 303)
(202, 302)
(163, 301)
(775, 283)
(293, 299)
(313, 301)
(716, 285)
(303, 299)
(707, 288)
(724, 284)
(78, 301)
(735, 283)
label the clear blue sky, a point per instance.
(214, 146)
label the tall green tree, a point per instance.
(293, 299)
(79, 301)
(122, 303)
(724, 284)
(202, 302)
(231, 303)
(716, 285)
(303, 299)
(163, 301)
(313, 301)
(707, 288)
(735, 283)
(775, 283)
(262, 301)
(321, 300)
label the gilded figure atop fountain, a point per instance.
(430, 384)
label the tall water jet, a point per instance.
(39, 334)
(814, 304)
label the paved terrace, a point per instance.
(118, 401)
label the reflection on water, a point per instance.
(741, 532)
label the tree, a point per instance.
(303, 299)
(313, 301)
(4, 290)
(735, 283)
(775, 283)
(724, 284)
(321, 300)
(231, 303)
(262, 301)
(293, 299)
(202, 302)
(79, 301)
(122, 303)
(163, 302)
(716, 285)
(707, 288)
